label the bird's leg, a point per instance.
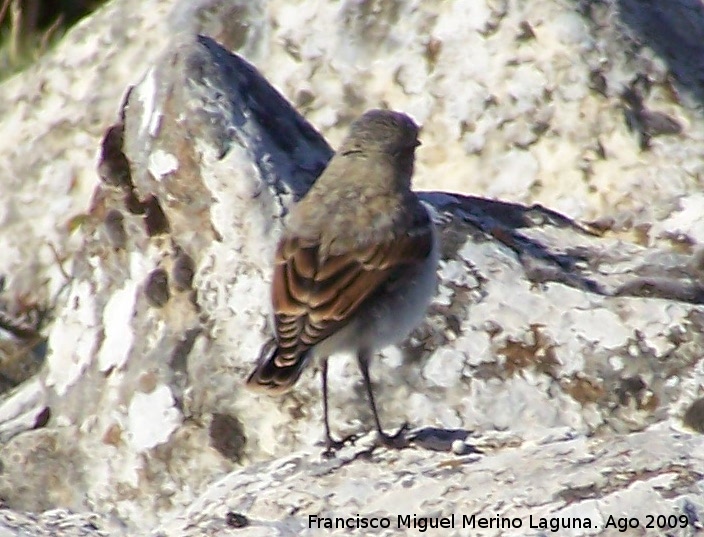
(396, 441)
(331, 445)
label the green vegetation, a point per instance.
(29, 27)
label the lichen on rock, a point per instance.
(559, 367)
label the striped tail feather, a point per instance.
(271, 378)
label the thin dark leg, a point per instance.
(328, 439)
(397, 441)
(331, 445)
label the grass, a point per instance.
(28, 28)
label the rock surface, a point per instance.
(569, 353)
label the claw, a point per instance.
(396, 441)
(332, 446)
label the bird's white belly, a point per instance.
(390, 317)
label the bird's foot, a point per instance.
(332, 445)
(396, 441)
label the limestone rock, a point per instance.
(595, 484)
(567, 351)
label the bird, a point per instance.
(356, 266)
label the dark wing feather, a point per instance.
(314, 296)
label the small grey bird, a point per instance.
(356, 266)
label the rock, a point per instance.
(582, 340)
(601, 483)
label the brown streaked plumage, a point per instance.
(355, 268)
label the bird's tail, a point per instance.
(270, 377)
